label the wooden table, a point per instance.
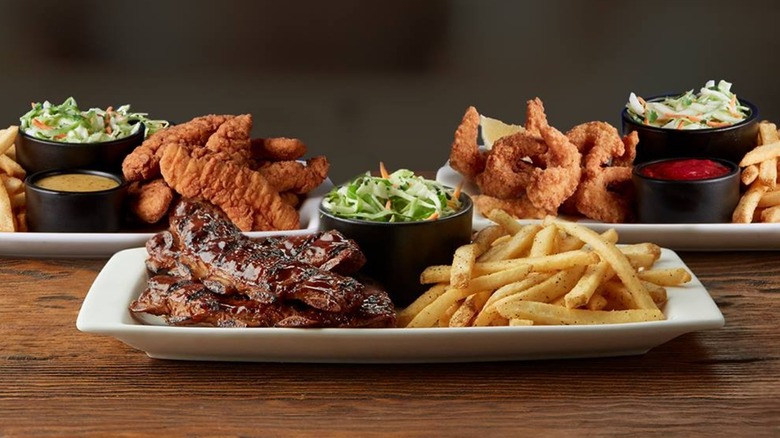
(55, 380)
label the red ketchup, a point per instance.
(685, 169)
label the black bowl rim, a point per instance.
(750, 119)
(735, 170)
(29, 181)
(140, 133)
(468, 207)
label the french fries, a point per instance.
(760, 202)
(550, 273)
(13, 206)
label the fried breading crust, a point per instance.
(465, 156)
(294, 176)
(243, 194)
(230, 142)
(143, 162)
(277, 149)
(150, 201)
(519, 207)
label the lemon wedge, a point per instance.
(494, 129)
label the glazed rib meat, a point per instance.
(208, 272)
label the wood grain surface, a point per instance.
(57, 381)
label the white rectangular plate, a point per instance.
(105, 311)
(681, 237)
(105, 244)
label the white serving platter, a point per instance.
(105, 311)
(84, 245)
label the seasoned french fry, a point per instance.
(767, 173)
(12, 185)
(543, 313)
(597, 302)
(550, 289)
(429, 316)
(18, 200)
(570, 243)
(582, 292)
(407, 314)
(444, 319)
(666, 277)
(467, 311)
(657, 293)
(21, 221)
(514, 247)
(11, 152)
(11, 167)
(616, 259)
(502, 240)
(767, 133)
(743, 213)
(749, 174)
(7, 221)
(495, 280)
(552, 262)
(771, 214)
(761, 153)
(463, 265)
(642, 255)
(486, 236)
(544, 242)
(505, 221)
(520, 322)
(769, 199)
(436, 274)
(617, 295)
(7, 138)
(517, 287)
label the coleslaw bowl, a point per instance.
(728, 143)
(36, 155)
(397, 252)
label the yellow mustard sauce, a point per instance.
(76, 182)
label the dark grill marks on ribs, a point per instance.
(207, 263)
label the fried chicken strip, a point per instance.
(243, 194)
(277, 149)
(150, 201)
(231, 141)
(143, 162)
(294, 176)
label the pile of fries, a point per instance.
(552, 273)
(12, 201)
(761, 201)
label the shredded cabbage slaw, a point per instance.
(715, 106)
(68, 124)
(397, 197)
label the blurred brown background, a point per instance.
(366, 81)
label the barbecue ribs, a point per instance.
(206, 272)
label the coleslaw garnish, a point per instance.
(400, 196)
(68, 124)
(714, 106)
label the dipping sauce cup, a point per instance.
(686, 190)
(73, 201)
